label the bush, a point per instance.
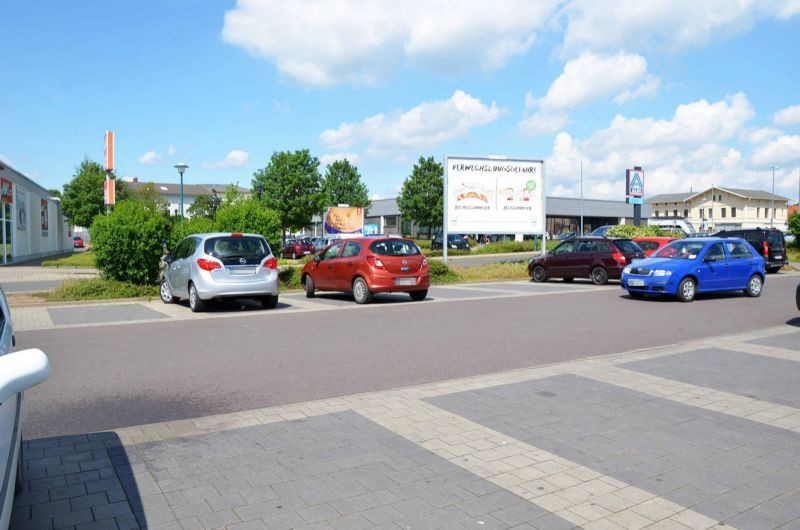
(441, 273)
(99, 289)
(250, 216)
(504, 247)
(290, 277)
(631, 231)
(128, 243)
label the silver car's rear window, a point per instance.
(236, 247)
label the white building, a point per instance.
(32, 223)
(171, 192)
(718, 208)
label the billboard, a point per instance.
(634, 182)
(22, 209)
(494, 196)
(109, 151)
(343, 220)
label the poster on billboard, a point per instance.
(6, 191)
(22, 209)
(494, 196)
(343, 221)
(45, 217)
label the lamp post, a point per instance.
(181, 167)
(581, 230)
(772, 199)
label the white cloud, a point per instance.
(787, 116)
(280, 107)
(762, 134)
(662, 24)
(234, 159)
(375, 197)
(780, 151)
(150, 158)
(587, 78)
(319, 43)
(688, 150)
(427, 125)
(328, 159)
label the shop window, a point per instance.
(733, 211)
(724, 212)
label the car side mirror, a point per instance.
(317, 258)
(168, 259)
(22, 370)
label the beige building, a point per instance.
(719, 208)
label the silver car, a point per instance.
(18, 372)
(205, 267)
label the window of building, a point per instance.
(674, 213)
(655, 214)
(711, 212)
(733, 211)
(766, 213)
(685, 213)
(758, 211)
(701, 213)
(390, 222)
(724, 212)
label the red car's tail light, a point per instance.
(271, 263)
(766, 249)
(618, 256)
(375, 262)
(208, 265)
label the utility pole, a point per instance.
(581, 230)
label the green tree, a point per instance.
(794, 228)
(249, 216)
(422, 197)
(290, 186)
(181, 229)
(83, 195)
(128, 243)
(203, 206)
(342, 185)
(149, 195)
(56, 193)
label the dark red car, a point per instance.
(297, 248)
(597, 258)
(365, 266)
(652, 243)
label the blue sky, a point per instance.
(698, 93)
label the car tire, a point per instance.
(634, 294)
(599, 276)
(539, 274)
(418, 295)
(19, 484)
(754, 286)
(195, 303)
(567, 280)
(309, 286)
(166, 293)
(687, 290)
(361, 291)
(270, 301)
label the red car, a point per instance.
(369, 265)
(651, 244)
(77, 242)
(297, 248)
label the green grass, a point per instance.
(515, 270)
(79, 260)
(99, 289)
(793, 252)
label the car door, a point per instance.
(557, 263)
(581, 261)
(713, 272)
(740, 264)
(347, 264)
(326, 267)
(174, 271)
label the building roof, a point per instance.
(189, 190)
(28, 182)
(741, 192)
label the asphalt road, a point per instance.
(106, 377)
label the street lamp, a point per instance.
(181, 167)
(772, 218)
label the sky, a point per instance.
(697, 92)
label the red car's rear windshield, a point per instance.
(626, 245)
(395, 247)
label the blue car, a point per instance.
(686, 267)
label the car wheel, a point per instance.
(567, 280)
(166, 293)
(309, 285)
(18, 484)
(686, 290)
(294, 255)
(195, 303)
(361, 291)
(269, 301)
(634, 294)
(539, 274)
(599, 276)
(754, 285)
(418, 295)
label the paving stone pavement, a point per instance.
(647, 439)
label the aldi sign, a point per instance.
(634, 182)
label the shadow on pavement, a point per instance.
(88, 481)
(794, 322)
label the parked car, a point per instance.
(566, 235)
(18, 372)
(77, 242)
(318, 242)
(797, 297)
(769, 242)
(212, 266)
(297, 248)
(365, 266)
(651, 244)
(454, 241)
(601, 230)
(598, 258)
(686, 267)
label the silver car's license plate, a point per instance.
(238, 271)
(636, 283)
(405, 281)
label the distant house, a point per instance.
(720, 208)
(171, 191)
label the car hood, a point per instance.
(669, 264)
